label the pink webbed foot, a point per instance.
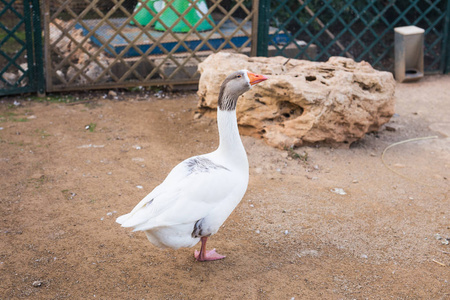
(208, 255)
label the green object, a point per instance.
(263, 28)
(193, 16)
(143, 15)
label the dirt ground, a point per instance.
(68, 170)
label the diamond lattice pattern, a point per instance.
(13, 50)
(360, 29)
(120, 43)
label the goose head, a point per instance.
(235, 85)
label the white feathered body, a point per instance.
(197, 196)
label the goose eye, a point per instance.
(238, 76)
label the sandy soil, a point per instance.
(291, 237)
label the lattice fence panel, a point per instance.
(359, 29)
(20, 47)
(121, 43)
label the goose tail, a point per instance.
(122, 219)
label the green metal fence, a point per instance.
(359, 29)
(21, 68)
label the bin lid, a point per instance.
(409, 30)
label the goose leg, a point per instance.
(205, 255)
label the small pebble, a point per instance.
(37, 283)
(390, 128)
(109, 173)
(112, 95)
(308, 253)
(355, 181)
(257, 231)
(286, 232)
(339, 191)
(364, 256)
(139, 186)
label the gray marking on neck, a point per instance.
(201, 164)
(227, 102)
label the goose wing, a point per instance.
(191, 190)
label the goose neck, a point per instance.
(230, 140)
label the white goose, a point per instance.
(200, 193)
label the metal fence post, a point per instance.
(446, 42)
(31, 67)
(263, 27)
(37, 43)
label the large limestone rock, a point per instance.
(335, 102)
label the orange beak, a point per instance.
(256, 78)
